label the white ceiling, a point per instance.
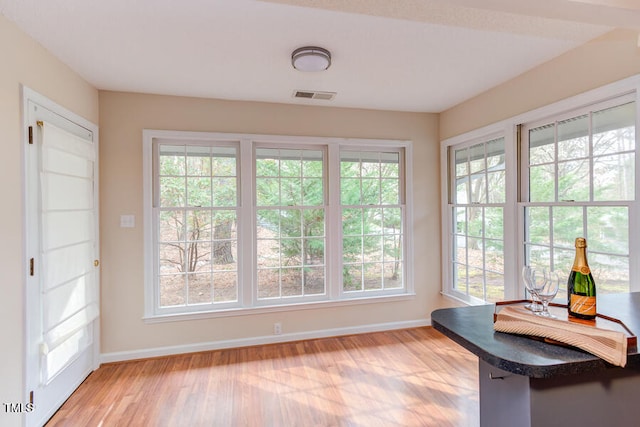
(406, 55)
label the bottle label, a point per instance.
(582, 305)
(583, 269)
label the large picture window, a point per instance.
(550, 176)
(241, 222)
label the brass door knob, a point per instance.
(96, 263)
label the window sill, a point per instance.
(464, 299)
(161, 318)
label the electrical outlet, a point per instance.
(277, 328)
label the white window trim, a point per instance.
(254, 301)
(513, 209)
(487, 134)
(246, 305)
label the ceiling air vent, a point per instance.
(327, 96)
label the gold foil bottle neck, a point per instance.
(581, 242)
(580, 261)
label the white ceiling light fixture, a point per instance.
(311, 58)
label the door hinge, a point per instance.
(31, 397)
(30, 134)
(32, 267)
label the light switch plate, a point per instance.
(127, 221)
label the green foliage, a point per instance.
(289, 191)
(370, 233)
(191, 177)
(196, 186)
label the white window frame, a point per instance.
(525, 203)
(482, 135)
(514, 210)
(451, 204)
(247, 273)
(402, 204)
(256, 301)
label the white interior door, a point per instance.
(62, 296)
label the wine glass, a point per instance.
(529, 275)
(546, 290)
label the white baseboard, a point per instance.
(120, 356)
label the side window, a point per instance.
(580, 176)
(477, 209)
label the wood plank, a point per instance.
(412, 377)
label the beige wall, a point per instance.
(23, 62)
(122, 118)
(607, 59)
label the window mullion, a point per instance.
(333, 223)
(512, 251)
(591, 159)
(556, 165)
(247, 277)
(185, 219)
(484, 224)
(634, 212)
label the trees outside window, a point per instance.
(290, 222)
(237, 222)
(197, 219)
(371, 199)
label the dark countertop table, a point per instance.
(472, 328)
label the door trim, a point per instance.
(30, 96)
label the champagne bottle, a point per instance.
(581, 289)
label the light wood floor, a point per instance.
(412, 377)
